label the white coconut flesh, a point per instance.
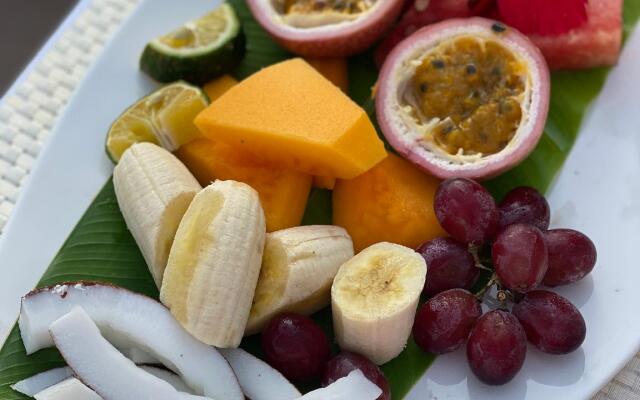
(69, 389)
(319, 15)
(169, 377)
(137, 356)
(138, 321)
(414, 132)
(41, 381)
(100, 366)
(59, 383)
(259, 381)
(354, 386)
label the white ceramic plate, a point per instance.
(598, 192)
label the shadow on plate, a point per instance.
(554, 370)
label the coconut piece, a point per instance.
(258, 380)
(139, 321)
(59, 383)
(99, 365)
(138, 356)
(354, 386)
(69, 389)
(41, 381)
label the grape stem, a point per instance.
(474, 252)
(492, 281)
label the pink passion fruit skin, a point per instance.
(400, 135)
(333, 40)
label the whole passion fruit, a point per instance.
(326, 28)
(464, 98)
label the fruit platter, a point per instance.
(336, 199)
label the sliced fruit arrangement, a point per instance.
(333, 28)
(214, 263)
(283, 192)
(464, 98)
(374, 299)
(154, 190)
(512, 241)
(198, 51)
(165, 117)
(391, 202)
(459, 99)
(298, 267)
(272, 115)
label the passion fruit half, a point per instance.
(464, 98)
(326, 28)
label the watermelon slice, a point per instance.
(596, 42)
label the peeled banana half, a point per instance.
(298, 267)
(214, 263)
(374, 299)
(153, 189)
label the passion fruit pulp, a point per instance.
(464, 85)
(326, 28)
(464, 98)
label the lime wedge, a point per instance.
(165, 117)
(198, 51)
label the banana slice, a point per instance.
(214, 263)
(374, 299)
(154, 190)
(298, 267)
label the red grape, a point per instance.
(443, 323)
(296, 346)
(551, 322)
(524, 205)
(572, 255)
(345, 362)
(466, 210)
(496, 347)
(520, 257)
(450, 265)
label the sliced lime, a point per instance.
(198, 51)
(165, 117)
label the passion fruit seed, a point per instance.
(349, 7)
(473, 87)
(498, 27)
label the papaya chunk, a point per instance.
(219, 86)
(324, 182)
(392, 202)
(283, 193)
(290, 115)
(334, 69)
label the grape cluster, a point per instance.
(524, 254)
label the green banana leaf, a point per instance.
(100, 247)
